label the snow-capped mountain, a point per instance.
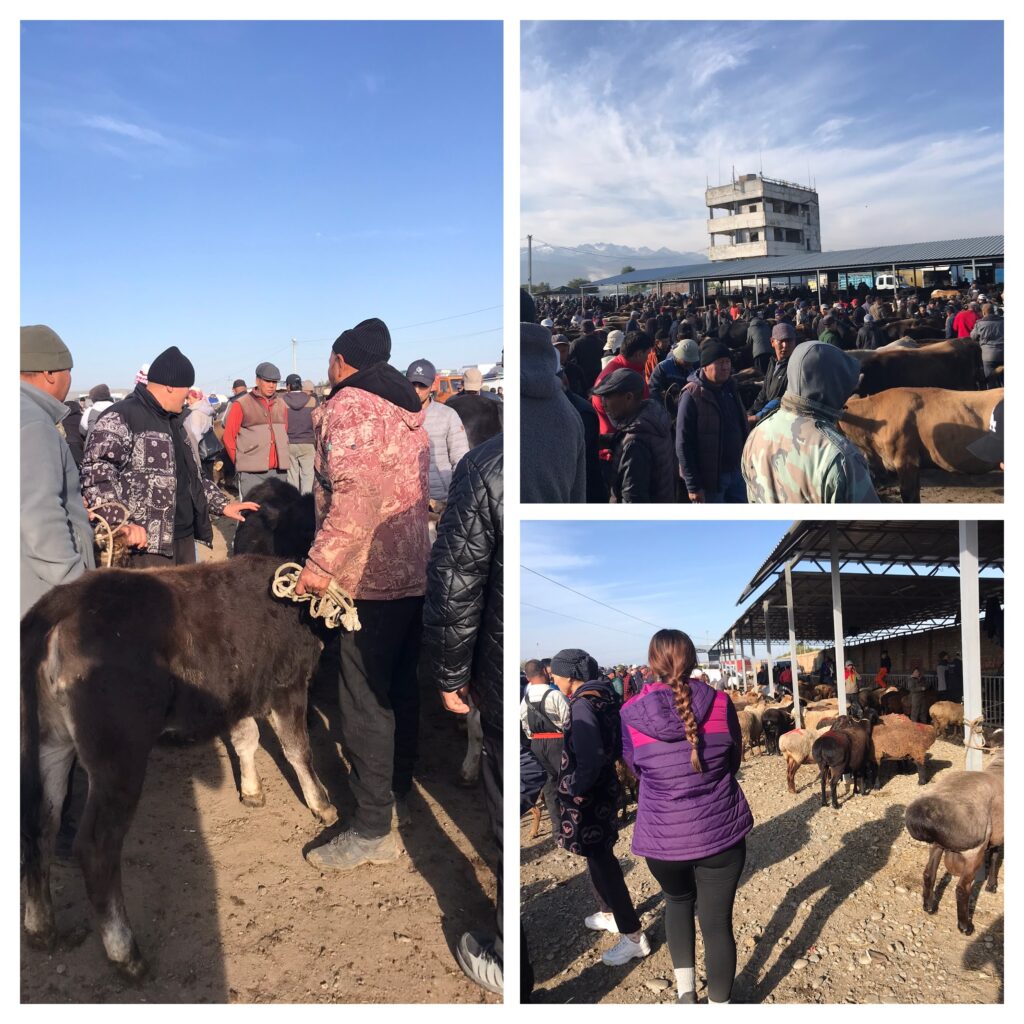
(557, 265)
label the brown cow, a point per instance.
(115, 659)
(904, 428)
(954, 364)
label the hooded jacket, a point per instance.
(370, 486)
(644, 459)
(56, 538)
(300, 416)
(588, 790)
(552, 458)
(683, 814)
(711, 425)
(989, 332)
(759, 337)
(797, 453)
(463, 612)
(133, 456)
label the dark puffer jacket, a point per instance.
(644, 458)
(463, 640)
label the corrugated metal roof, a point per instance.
(951, 250)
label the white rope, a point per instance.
(334, 606)
(102, 525)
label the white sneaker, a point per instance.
(626, 949)
(601, 922)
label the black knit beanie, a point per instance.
(572, 663)
(712, 350)
(173, 369)
(365, 344)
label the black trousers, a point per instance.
(380, 707)
(710, 884)
(609, 885)
(184, 554)
(490, 773)
(917, 708)
(549, 753)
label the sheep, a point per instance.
(843, 749)
(796, 748)
(823, 691)
(815, 717)
(775, 721)
(897, 738)
(947, 716)
(961, 816)
(629, 787)
(750, 729)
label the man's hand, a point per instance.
(134, 535)
(455, 700)
(696, 499)
(310, 582)
(234, 509)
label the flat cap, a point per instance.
(268, 371)
(621, 381)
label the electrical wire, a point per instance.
(551, 611)
(589, 598)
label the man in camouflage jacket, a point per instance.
(370, 489)
(797, 453)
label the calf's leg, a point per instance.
(469, 773)
(973, 860)
(288, 719)
(245, 738)
(995, 857)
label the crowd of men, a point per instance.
(659, 413)
(381, 459)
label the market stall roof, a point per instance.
(933, 544)
(874, 606)
(946, 251)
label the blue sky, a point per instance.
(683, 575)
(623, 122)
(228, 186)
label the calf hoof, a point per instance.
(966, 929)
(467, 782)
(327, 815)
(253, 799)
(930, 908)
(73, 937)
(134, 969)
(45, 940)
(990, 887)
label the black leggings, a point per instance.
(710, 883)
(609, 885)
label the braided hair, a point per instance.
(672, 658)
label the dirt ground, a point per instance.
(226, 910)
(939, 487)
(828, 909)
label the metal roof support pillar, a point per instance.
(793, 667)
(616, 296)
(974, 271)
(895, 289)
(743, 670)
(753, 673)
(768, 641)
(817, 278)
(732, 651)
(703, 292)
(970, 632)
(837, 619)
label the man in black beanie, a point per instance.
(711, 426)
(370, 490)
(139, 456)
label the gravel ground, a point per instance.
(939, 487)
(828, 909)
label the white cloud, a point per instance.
(126, 129)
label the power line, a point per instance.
(588, 597)
(441, 319)
(551, 611)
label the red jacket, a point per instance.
(233, 424)
(963, 322)
(619, 362)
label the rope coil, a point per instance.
(975, 726)
(334, 606)
(103, 531)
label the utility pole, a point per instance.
(529, 263)
(295, 356)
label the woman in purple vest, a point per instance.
(682, 740)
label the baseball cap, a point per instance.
(293, 380)
(686, 351)
(783, 331)
(421, 372)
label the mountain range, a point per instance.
(557, 265)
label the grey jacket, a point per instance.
(552, 449)
(56, 538)
(448, 443)
(989, 332)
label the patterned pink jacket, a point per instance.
(370, 489)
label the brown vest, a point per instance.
(258, 432)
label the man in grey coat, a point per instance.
(56, 539)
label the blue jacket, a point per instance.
(665, 374)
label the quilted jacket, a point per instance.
(683, 814)
(463, 639)
(370, 487)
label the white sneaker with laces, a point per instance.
(601, 922)
(626, 949)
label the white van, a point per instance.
(886, 282)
